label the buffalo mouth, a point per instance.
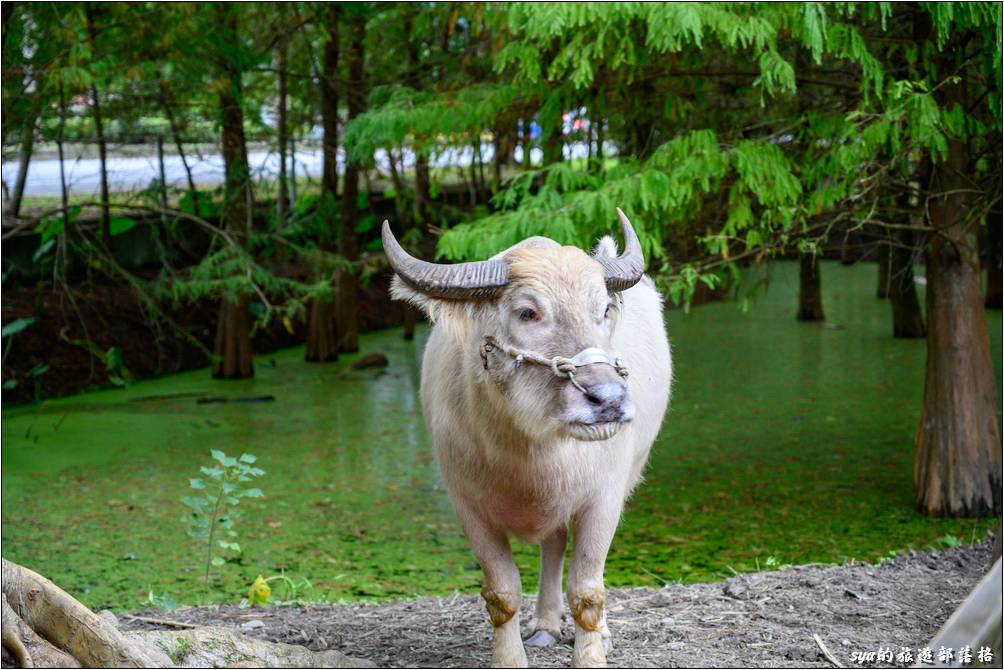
(593, 432)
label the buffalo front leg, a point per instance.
(502, 590)
(545, 629)
(594, 531)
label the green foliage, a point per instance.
(401, 116)
(118, 225)
(164, 601)
(731, 132)
(17, 325)
(780, 181)
(214, 505)
(9, 331)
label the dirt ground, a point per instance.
(755, 620)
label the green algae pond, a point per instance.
(785, 443)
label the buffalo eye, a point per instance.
(527, 314)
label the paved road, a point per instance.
(129, 174)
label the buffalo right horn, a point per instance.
(480, 280)
(626, 270)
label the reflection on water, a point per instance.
(784, 439)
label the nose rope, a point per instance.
(560, 366)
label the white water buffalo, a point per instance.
(544, 383)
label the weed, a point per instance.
(214, 508)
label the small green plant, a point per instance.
(771, 563)
(165, 601)
(214, 506)
(949, 541)
(118, 373)
(9, 331)
(260, 590)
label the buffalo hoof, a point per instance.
(541, 638)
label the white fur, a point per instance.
(500, 438)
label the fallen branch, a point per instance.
(45, 627)
(160, 622)
(826, 652)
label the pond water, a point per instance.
(785, 443)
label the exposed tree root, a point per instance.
(44, 627)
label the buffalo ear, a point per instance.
(606, 248)
(400, 290)
(455, 316)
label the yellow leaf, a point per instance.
(259, 591)
(289, 324)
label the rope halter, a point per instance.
(560, 366)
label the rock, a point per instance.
(252, 624)
(369, 361)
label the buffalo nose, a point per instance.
(609, 401)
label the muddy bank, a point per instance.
(758, 620)
(152, 343)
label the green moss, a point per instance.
(177, 651)
(784, 440)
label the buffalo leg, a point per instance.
(594, 531)
(502, 590)
(546, 626)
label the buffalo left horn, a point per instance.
(480, 280)
(625, 271)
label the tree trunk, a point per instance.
(994, 273)
(846, 253)
(162, 173)
(884, 252)
(232, 351)
(99, 131)
(292, 169)
(958, 445)
(27, 147)
(505, 151)
(346, 301)
(322, 335)
(399, 186)
(103, 160)
(329, 105)
(497, 159)
(62, 257)
(482, 182)
(179, 145)
(423, 186)
(810, 297)
(322, 343)
(282, 196)
(410, 319)
(474, 176)
(907, 320)
(554, 141)
(600, 139)
(413, 77)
